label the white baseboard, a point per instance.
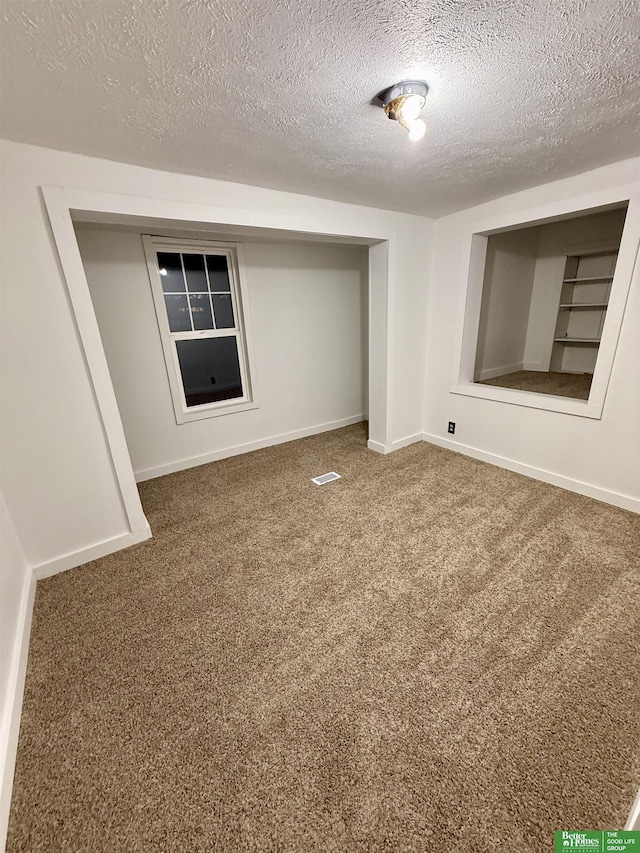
(377, 447)
(101, 549)
(492, 372)
(237, 449)
(604, 495)
(633, 821)
(406, 441)
(13, 708)
(536, 365)
(398, 444)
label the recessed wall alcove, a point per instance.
(68, 209)
(541, 306)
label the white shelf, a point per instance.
(567, 306)
(594, 341)
(588, 278)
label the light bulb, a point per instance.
(163, 271)
(411, 107)
(417, 130)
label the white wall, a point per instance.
(506, 297)
(308, 321)
(58, 477)
(604, 454)
(16, 595)
(14, 572)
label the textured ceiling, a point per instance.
(277, 93)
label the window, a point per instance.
(196, 291)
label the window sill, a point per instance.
(563, 405)
(202, 412)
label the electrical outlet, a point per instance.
(452, 427)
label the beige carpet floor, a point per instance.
(575, 385)
(430, 654)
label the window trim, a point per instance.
(241, 331)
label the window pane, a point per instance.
(201, 311)
(170, 272)
(223, 310)
(210, 370)
(218, 272)
(196, 276)
(178, 312)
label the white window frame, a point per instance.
(241, 330)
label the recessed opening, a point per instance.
(545, 295)
(304, 355)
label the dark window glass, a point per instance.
(218, 272)
(223, 310)
(210, 370)
(170, 272)
(201, 311)
(178, 312)
(196, 276)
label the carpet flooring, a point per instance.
(575, 385)
(429, 654)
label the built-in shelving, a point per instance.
(584, 297)
(586, 278)
(568, 306)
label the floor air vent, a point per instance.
(325, 478)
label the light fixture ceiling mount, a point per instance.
(404, 102)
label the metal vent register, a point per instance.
(325, 478)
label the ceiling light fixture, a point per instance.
(403, 103)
